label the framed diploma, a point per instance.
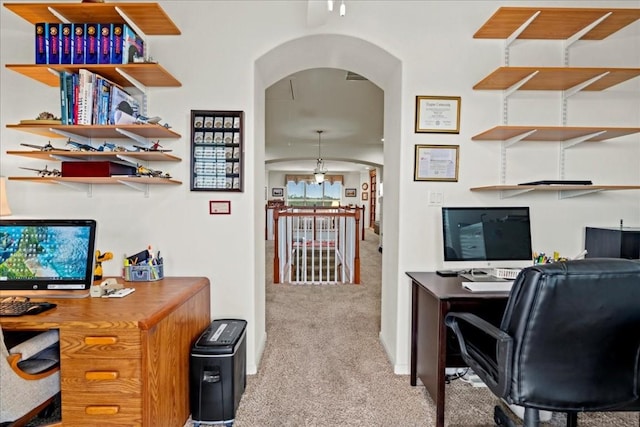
(219, 207)
(436, 163)
(438, 114)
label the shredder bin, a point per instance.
(218, 371)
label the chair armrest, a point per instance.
(24, 364)
(481, 363)
(36, 344)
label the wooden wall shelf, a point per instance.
(99, 180)
(148, 74)
(147, 156)
(555, 78)
(150, 18)
(97, 131)
(553, 133)
(555, 23)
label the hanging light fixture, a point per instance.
(330, 5)
(319, 171)
(343, 9)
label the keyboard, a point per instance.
(21, 307)
(502, 286)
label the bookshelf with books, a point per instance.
(98, 122)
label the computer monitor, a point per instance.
(48, 256)
(486, 237)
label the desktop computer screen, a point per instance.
(476, 237)
(44, 254)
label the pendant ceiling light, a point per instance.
(319, 171)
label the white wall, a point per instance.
(230, 51)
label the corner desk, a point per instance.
(125, 361)
(433, 348)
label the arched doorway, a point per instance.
(383, 69)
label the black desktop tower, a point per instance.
(217, 372)
(612, 242)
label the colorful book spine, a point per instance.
(66, 43)
(53, 43)
(64, 109)
(91, 44)
(104, 44)
(78, 44)
(117, 33)
(41, 43)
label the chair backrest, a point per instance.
(576, 331)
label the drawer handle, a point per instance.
(101, 375)
(100, 340)
(102, 410)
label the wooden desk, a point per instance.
(433, 348)
(125, 361)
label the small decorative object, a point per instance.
(43, 118)
(100, 258)
(350, 192)
(365, 196)
(277, 192)
(365, 186)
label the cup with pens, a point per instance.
(542, 258)
(144, 266)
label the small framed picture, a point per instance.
(436, 163)
(365, 195)
(219, 207)
(277, 192)
(350, 192)
(438, 114)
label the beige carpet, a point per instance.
(324, 365)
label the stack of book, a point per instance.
(87, 44)
(86, 98)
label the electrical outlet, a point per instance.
(436, 198)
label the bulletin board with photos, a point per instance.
(217, 149)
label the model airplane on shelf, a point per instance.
(144, 171)
(155, 147)
(108, 146)
(44, 172)
(78, 146)
(46, 147)
(140, 119)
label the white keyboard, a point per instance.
(502, 286)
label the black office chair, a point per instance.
(569, 340)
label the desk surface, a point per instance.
(444, 288)
(141, 309)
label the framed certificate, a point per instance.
(438, 114)
(436, 163)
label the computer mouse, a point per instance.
(39, 308)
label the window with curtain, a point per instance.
(304, 191)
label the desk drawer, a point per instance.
(101, 375)
(101, 409)
(91, 343)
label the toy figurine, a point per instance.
(97, 271)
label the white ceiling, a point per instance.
(349, 112)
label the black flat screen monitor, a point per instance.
(476, 237)
(54, 255)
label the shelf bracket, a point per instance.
(58, 15)
(566, 194)
(133, 81)
(505, 194)
(138, 187)
(577, 36)
(575, 141)
(78, 187)
(514, 140)
(519, 84)
(577, 88)
(132, 136)
(72, 136)
(128, 159)
(520, 29)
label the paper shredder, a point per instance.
(217, 371)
